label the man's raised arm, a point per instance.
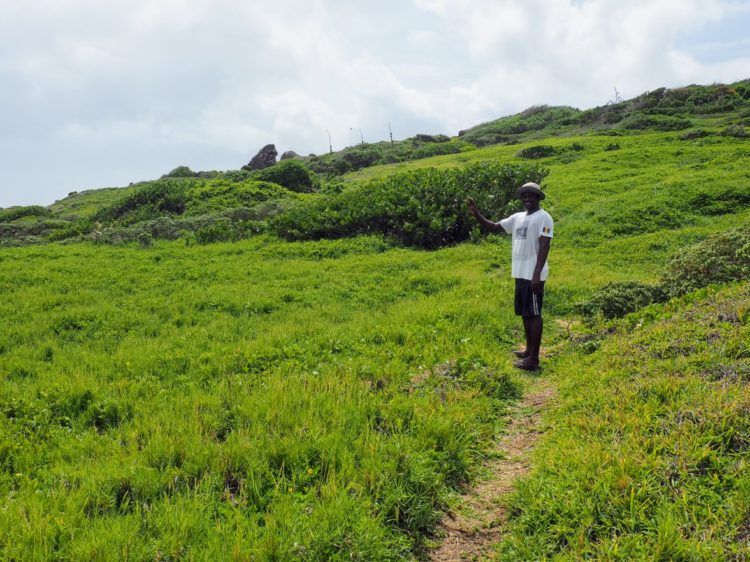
(485, 223)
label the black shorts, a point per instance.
(528, 303)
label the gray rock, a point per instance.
(266, 157)
(289, 154)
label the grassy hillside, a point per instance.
(310, 399)
(651, 461)
(661, 109)
(166, 397)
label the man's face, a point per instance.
(530, 201)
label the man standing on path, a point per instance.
(532, 233)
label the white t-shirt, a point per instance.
(526, 229)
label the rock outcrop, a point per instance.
(266, 157)
(289, 154)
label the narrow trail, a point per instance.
(477, 525)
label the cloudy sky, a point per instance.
(102, 93)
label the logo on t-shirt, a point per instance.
(546, 229)
(521, 232)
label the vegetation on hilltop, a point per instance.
(708, 112)
(508, 129)
(364, 155)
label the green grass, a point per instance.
(651, 461)
(279, 399)
(326, 399)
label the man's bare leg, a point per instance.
(524, 353)
(533, 326)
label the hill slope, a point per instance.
(325, 399)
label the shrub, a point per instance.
(736, 131)
(694, 134)
(719, 200)
(220, 195)
(150, 200)
(220, 231)
(611, 146)
(292, 174)
(180, 172)
(14, 213)
(440, 148)
(430, 138)
(721, 258)
(618, 299)
(423, 208)
(657, 122)
(236, 175)
(534, 152)
(352, 159)
(485, 140)
(361, 157)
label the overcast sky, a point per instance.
(102, 93)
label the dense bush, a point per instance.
(440, 148)
(362, 156)
(180, 172)
(534, 152)
(355, 158)
(423, 208)
(193, 197)
(736, 131)
(721, 258)
(222, 195)
(486, 140)
(694, 134)
(718, 200)
(618, 299)
(292, 174)
(657, 122)
(421, 138)
(220, 231)
(149, 201)
(14, 213)
(31, 230)
(215, 227)
(236, 175)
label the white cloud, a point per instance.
(206, 83)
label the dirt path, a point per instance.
(471, 532)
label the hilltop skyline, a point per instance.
(101, 95)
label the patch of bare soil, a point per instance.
(476, 526)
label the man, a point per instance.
(532, 233)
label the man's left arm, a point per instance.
(541, 258)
